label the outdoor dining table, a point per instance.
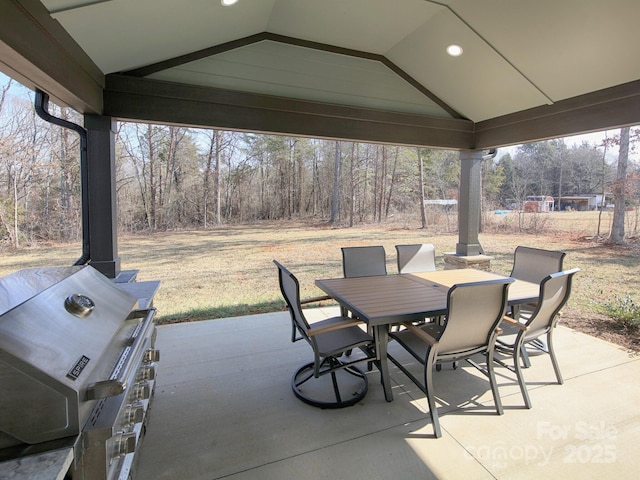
(381, 301)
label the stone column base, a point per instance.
(453, 261)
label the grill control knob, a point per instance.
(148, 372)
(141, 391)
(151, 355)
(134, 413)
(124, 443)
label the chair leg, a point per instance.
(494, 385)
(428, 385)
(519, 376)
(526, 363)
(336, 388)
(554, 360)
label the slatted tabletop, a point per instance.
(386, 299)
(393, 298)
(519, 291)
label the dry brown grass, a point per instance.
(228, 270)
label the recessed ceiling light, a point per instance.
(226, 3)
(454, 50)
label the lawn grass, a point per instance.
(228, 271)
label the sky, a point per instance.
(17, 89)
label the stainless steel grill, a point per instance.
(77, 367)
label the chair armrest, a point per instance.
(330, 324)
(304, 301)
(421, 334)
(514, 323)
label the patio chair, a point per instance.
(527, 330)
(533, 265)
(416, 258)
(364, 261)
(474, 311)
(327, 381)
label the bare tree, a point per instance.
(336, 185)
(212, 170)
(3, 92)
(218, 176)
(423, 213)
(619, 190)
(392, 181)
(352, 181)
(605, 144)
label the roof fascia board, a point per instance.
(39, 53)
(139, 99)
(613, 107)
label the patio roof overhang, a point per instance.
(367, 70)
(359, 70)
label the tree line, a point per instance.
(171, 177)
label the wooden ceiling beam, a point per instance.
(140, 99)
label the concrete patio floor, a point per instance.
(224, 409)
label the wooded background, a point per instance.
(171, 177)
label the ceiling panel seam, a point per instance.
(494, 48)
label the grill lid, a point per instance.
(22, 285)
(60, 330)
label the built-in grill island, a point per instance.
(77, 369)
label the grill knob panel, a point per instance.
(141, 391)
(151, 355)
(134, 413)
(147, 372)
(124, 443)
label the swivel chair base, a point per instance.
(335, 388)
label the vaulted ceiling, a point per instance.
(371, 70)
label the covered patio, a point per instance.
(363, 71)
(224, 409)
(453, 74)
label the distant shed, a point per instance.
(538, 203)
(580, 202)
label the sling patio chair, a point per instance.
(364, 261)
(474, 311)
(532, 265)
(419, 257)
(554, 293)
(327, 381)
(415, 258)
